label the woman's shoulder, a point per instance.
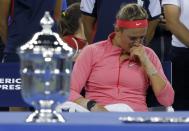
(151, 54)
(149, 50)
(98, 46)
(95, 50)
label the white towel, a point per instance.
(119, 107)
(73, 107)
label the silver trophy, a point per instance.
(46, 63)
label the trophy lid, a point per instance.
(46, 43)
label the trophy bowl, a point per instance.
(46, 64)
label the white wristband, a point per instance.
(152, 72)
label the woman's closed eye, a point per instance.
(137, 39)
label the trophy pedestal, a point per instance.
(45, 116)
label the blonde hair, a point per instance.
(132, 12)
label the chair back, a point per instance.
(167, 67)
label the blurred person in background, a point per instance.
(25, 21)
(176, 15)
(97, 13)
(71, 27)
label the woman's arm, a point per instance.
(4, 14)
(89, 16)
(84, 102)
(151, 30)
(80, 74)
(172, 16)
(58, 10)
(89, 27)
(160, 84)
(152, 66)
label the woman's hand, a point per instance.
(137, 53)
(98, 108)
(83, 102)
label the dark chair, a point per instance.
(167, 67)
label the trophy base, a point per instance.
(45, 116)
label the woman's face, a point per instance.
(130, 37)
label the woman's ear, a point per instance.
(116, 29)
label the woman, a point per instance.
(120, 69)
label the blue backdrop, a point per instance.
(10, 86)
